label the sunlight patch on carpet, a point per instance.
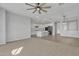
(16, 51)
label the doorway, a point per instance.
(57, 28)
(49, 29)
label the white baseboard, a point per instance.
(2, 43)
(19, 39)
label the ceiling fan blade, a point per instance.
(60, 4)
(37, 3)
(44, 10)
(39, 11)
(47, 7)
(30, 8)
(34, 10)
(42, 4)
(29, 4)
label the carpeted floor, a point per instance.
(39, 47)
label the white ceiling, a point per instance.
(53, 14)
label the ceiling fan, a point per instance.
(38, 7)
